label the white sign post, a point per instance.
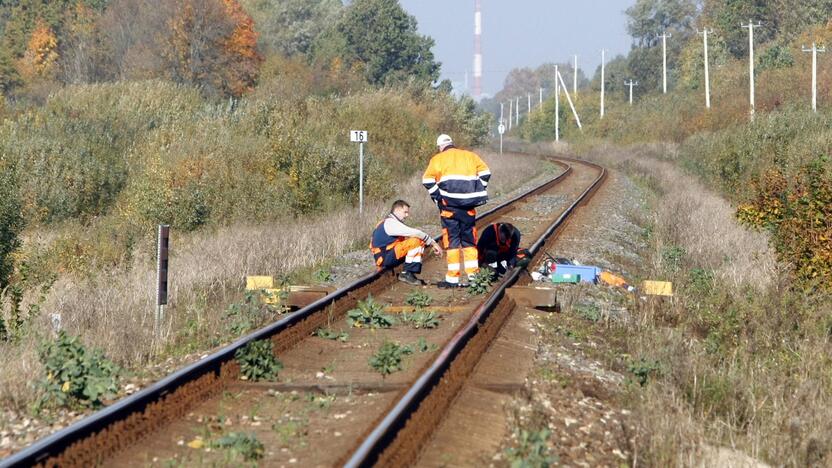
(360, 137)
(501, 129)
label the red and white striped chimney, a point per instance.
(477, 49)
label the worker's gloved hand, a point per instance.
(524, 257)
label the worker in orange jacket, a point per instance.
(457, 181)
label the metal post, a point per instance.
(540, 102)
(631, 83)
(603, 83)
(162, 256)
(750, 26)
(361, 178)
(530, 103)
(705, 32)
(510, 113)
(814, 50)
(575, 78)
(502, 108)
(557, 105)
(664, 37)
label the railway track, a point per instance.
(329, 407)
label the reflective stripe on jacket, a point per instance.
(457, 178)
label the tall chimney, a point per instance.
(477, 49)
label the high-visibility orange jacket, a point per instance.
(457, 178)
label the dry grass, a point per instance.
(743, 359)
(115, 310)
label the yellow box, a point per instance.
(259, 282)
(657, 288)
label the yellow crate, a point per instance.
(259, 282)
(657, 288)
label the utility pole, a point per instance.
(510, 113)
(540, 103)
(575, 78)
(502, 108)
(517, 112)
(665, 35)
(705, 31)
(530, 103)
(557, 105)
(631, 83)
(750, 26)
(814, 50)
(603, 83)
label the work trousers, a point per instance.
(408, 251)
(459, 235)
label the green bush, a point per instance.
(11, 219)
(258, 362)
(75, 376)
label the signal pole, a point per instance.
(750, 26)
(814, 50)
(631, 83)
(705, 31)
(665, 35)
(603, 83)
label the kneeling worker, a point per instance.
(394, 243)
(499, 247)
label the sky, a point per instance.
(521, 33)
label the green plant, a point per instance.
(531, 450)
(245, 445)
(421, 319)
(672, 257)
(482, 281)
(589, 312)
(329, 334)
(250, 314)
(74, 374)
(388, 359)
(423, 346)
(370, 314)
(321, 402)
(322, 275)
(643, 369)
(418, 299)
(258, 362)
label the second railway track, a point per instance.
(329, 407)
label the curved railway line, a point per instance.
(369, 420)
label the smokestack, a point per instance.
(477, 49)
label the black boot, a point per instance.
(409, 278)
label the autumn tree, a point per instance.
(41, 56)
(290, 27)
(212, 43)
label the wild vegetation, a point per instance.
(215, 118)
(738, 218)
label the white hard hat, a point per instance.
(443, 141)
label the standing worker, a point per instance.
(394, 243)
(457, 181)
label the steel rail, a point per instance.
(383, 435)
(52, 446)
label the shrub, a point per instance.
(74, 374)
(11, 220)
(257, 361)
(421, 319)
(482, 282)
(388, 359)
(370, 314)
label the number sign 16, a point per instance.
(358, 136)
